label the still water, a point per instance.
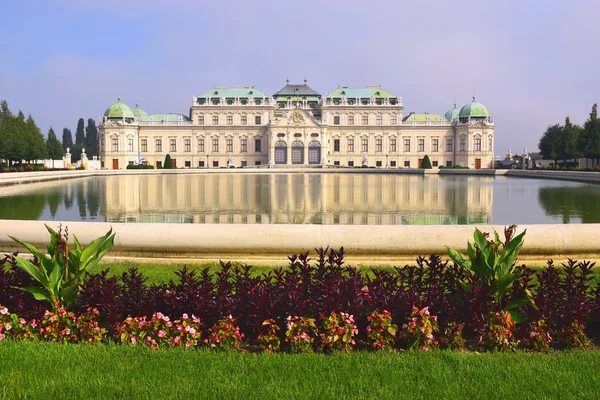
(358, 199)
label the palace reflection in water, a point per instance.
(356, 199)
(296, 198)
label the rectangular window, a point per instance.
(230, 120)
(336, 119)
(215, 120)
(392, 163)
(336, 162)
(421, 145)
(393, 145)
(229, 145)
(187, 143)
(144, 145)
(200, 119)
(244, 120)
(243, 145)
(350, 119)
(490, 145)
(434, 163)
(173, 145)
(351, 145)
(379, 119)
(215, 145)
(216, 163)
(115, 144)
(351, 163)
(365, 120)
(463, 144)
(244, 163)
(393, 119)
(159, 164)
(448, 144)
(378, 163)
(201, 164)
(478, 144)
(188, 164)
(448, 163)
(406, 145)
(379, 145)
(365, 145)
(201, 145)
(407, 164)
(257, 120)
(257, 162)
(129, 144)
(158, 144)
(336, 144)
(434, 145)
(257, 146)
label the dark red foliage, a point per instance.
(18, 301)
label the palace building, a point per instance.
(244, 127)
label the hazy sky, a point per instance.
(530, 62)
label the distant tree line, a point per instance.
(563, 142)
(22, 139)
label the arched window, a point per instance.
(297, 152)
(280, 152)
(314, 152)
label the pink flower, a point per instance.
(161, 334)
(425, 348)
(7, 326)
(404, 326)
(184, 316)
(4, 311)
(133, 340)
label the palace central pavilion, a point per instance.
(244, 127)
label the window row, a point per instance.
(216, 120)
(365, 119)
(379, 163)
(435, 145)
(187, 145)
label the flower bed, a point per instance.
(320, 305)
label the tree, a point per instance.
(91, 138)
(566, 141)
(80, 133)
(54, 147)
(426, 163)
(589, 139)
(4, 110)
(36, 146)
(67, 139)
(168, 162)
(548, 143)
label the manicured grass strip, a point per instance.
(44, 370)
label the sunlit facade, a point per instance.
(244, 127)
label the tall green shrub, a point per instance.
(426, 163)
(168, 163)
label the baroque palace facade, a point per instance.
(243, 127)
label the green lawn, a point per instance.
(51, 371)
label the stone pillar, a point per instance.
(323, 148)
(67, 159)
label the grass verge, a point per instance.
(46, 370)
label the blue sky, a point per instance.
(530, 62)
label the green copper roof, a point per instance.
(452, 115)
(362, 93)
(118, 110)
(414, 117)
(140, 114)
(296, 90)
(474, 110)
(170, 117)
(230, 93)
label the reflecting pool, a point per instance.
(296, 198)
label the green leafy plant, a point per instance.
(269, 341)
(338, 332)
(426, 163)
(61, 272)
(500, 335)
(453, 336)
(539, 339)
(574, 337)
(381, 332)
(300, 334)
(493, 263)
(225, 335)
(418, 332)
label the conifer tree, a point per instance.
(80, 132)
(426, 163)
(67, 139)
(91, 138)
(168, 162)
(55, 149)
(36, 146)
(589, 139)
